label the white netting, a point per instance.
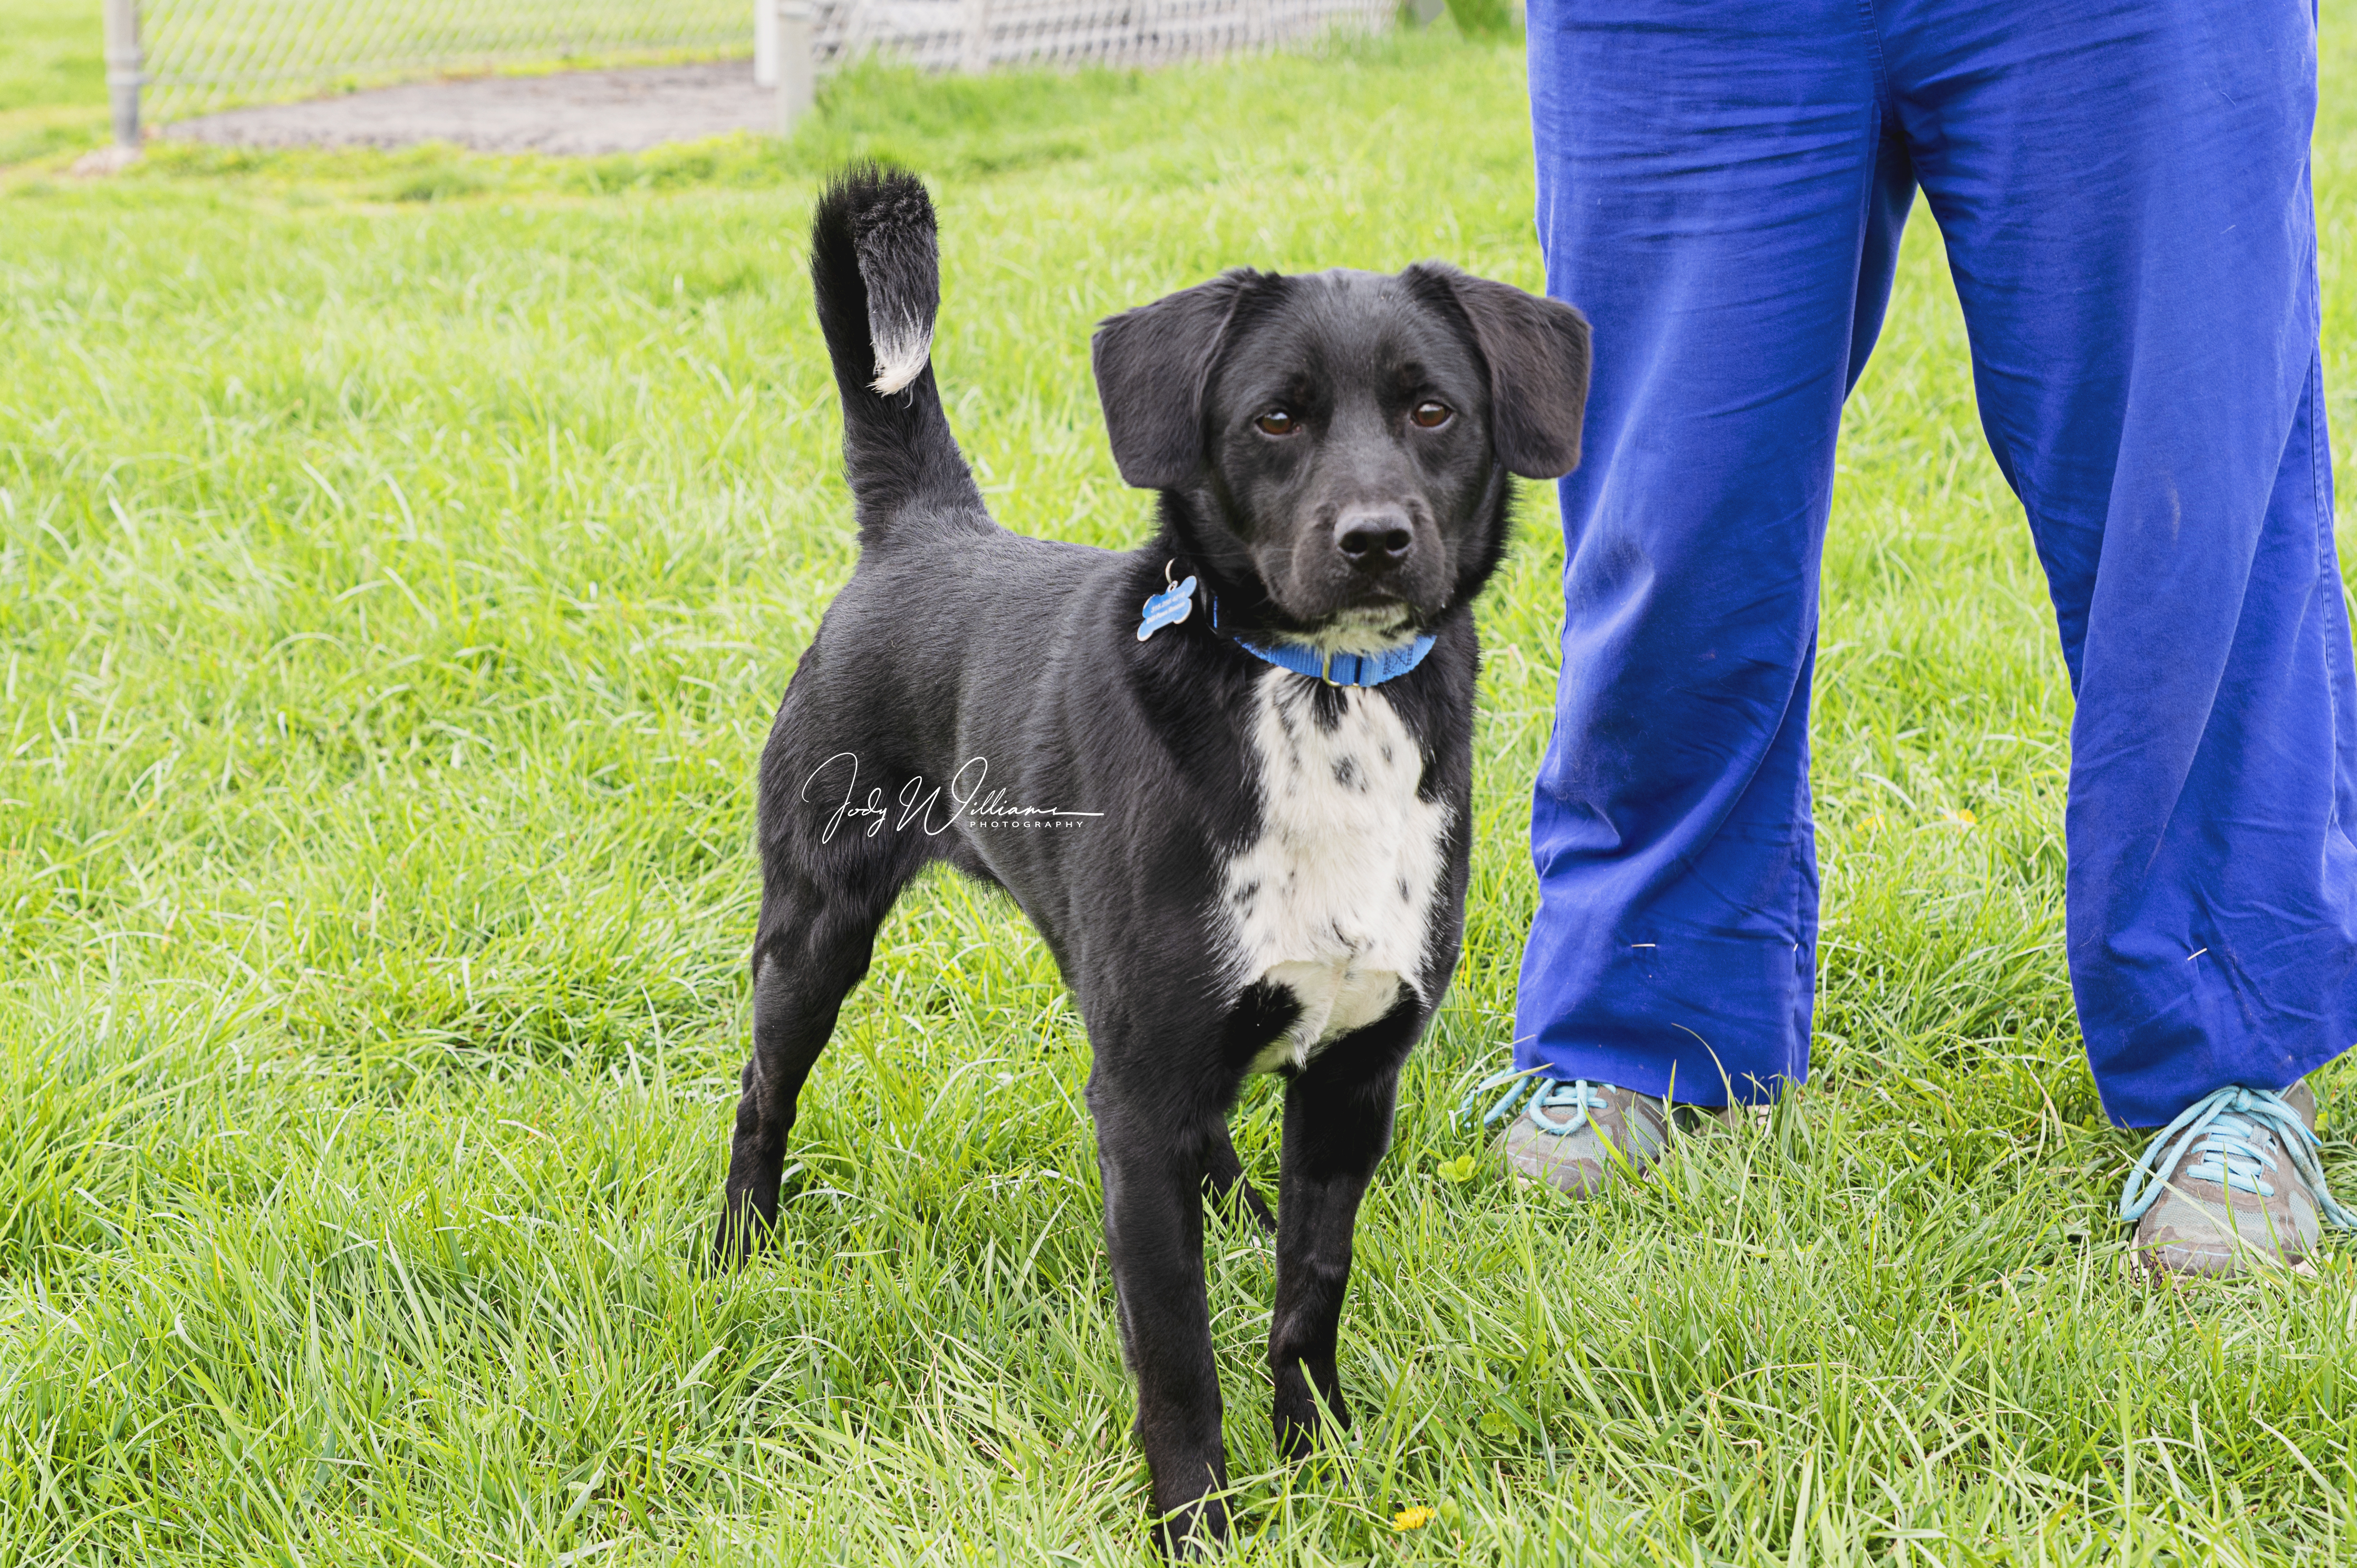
(206, 54)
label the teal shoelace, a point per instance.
(1554, 1106)
(2221, 1130)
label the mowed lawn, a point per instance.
(400, 559)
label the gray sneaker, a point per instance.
(1580, 1137)
(2253, 1192)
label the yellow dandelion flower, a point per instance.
(1416, 1517)
(1966, 818)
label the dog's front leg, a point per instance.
(1338, 1122)
(1153, 1166)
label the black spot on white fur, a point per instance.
(1332, 840)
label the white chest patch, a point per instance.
(1332, 900)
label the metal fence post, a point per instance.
(797, 61)
(765, 43)
(974, 53)
(124, 68)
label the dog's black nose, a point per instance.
(1374, 541)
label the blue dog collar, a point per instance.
(1171, 606)
(1336, 669)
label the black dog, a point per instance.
(1238, 813)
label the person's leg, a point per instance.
(2124, 194)
(1719, 192)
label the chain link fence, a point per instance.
(169, 60)
(976, 34)
(200, 55)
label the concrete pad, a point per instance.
(575, 112)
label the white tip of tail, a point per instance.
(899, 358)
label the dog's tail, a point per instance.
(875, 271)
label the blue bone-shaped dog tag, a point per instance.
(1166, 608)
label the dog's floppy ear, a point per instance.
(1537, 353)
(1151, 363)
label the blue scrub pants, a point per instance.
(2124, 192)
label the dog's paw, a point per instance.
(741, 1233)
(1193, 1532)
(1300, 1416)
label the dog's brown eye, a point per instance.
(1276, 421)
(1429, 414)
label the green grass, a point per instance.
(52, 77)
(400, 559)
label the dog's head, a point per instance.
(1340, 441)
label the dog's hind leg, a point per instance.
(1338, 1124)
(1224, 1181)
(814, 946)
